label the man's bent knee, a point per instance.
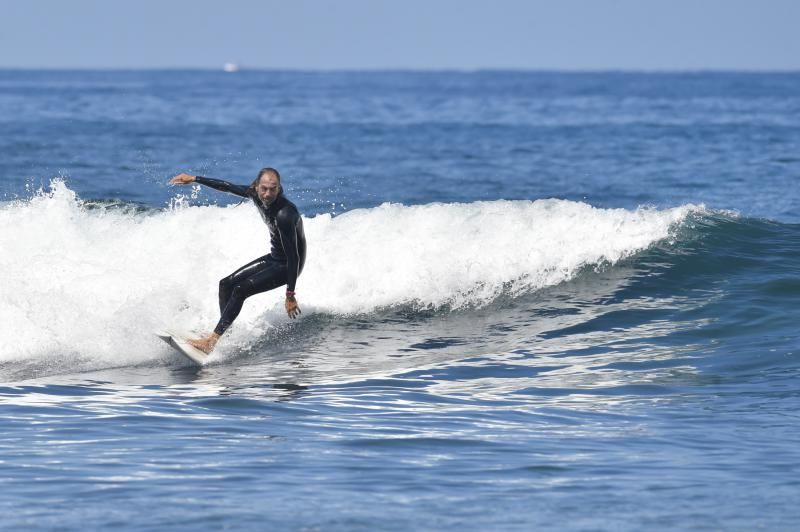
(242, 290)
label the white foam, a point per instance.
(95, 283)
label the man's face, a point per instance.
(268, 188)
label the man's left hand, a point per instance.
(291, 307)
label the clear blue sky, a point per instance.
(423, 34)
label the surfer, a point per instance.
(280, 267)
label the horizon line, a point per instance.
(565, 70)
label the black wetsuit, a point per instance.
(281, 267)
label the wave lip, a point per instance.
(468, 254)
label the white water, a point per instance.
(94, 284)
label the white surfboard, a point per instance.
(183, 347)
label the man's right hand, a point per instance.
(182, 179)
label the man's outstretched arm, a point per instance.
(217, 184)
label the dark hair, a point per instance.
(263, 171)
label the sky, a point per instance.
(403, 34)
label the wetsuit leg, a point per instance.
(227, 284)
(263, 276)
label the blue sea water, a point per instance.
(533, 300)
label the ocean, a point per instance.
(532, 301)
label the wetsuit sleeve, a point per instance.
(223, 186)
(287, 229)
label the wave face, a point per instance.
(90, 281)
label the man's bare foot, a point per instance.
(206, 344)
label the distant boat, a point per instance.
(230, 67)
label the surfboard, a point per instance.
(183, 347)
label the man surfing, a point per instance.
(283, 264)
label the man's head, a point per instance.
(267, 185)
